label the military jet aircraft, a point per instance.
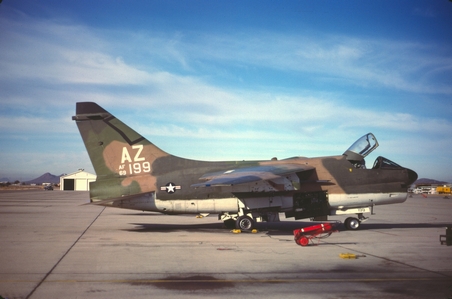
(133, 173)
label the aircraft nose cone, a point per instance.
(412, 176)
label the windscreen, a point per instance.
(382, 162)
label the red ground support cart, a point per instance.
(302, 236)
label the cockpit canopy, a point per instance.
(361, 148)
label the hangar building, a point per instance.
(77, 181)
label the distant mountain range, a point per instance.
(425, 181)
(45, 178)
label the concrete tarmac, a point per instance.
(53, 246)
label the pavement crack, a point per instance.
(63, 256)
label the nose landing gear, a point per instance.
(352, 223)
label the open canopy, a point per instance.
(362, 147)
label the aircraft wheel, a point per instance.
(352, 223)
(245, 223)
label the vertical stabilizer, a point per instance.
(122, 158)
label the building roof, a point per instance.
(81, 173)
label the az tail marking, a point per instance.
(126, 156)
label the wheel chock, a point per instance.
(350, 256)
(347, 256)
(238, 231)
(202, 215)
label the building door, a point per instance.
(69, 184)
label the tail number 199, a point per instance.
(137, 166)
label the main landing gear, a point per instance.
(244, 222)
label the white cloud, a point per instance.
(71, 54)
(395, 64)
(60, 53)
(34, 124)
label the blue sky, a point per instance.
(228, 80)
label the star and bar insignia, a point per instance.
(170, 188)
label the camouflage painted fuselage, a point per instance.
(133, 173)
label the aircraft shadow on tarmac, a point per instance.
(271, 228)
(168, 228)
(403, 225)
(288, 227)
(281, 228)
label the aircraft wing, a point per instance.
(249, 174)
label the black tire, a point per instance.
(245, 223)
(352, 223)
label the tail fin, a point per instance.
(122, 158)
